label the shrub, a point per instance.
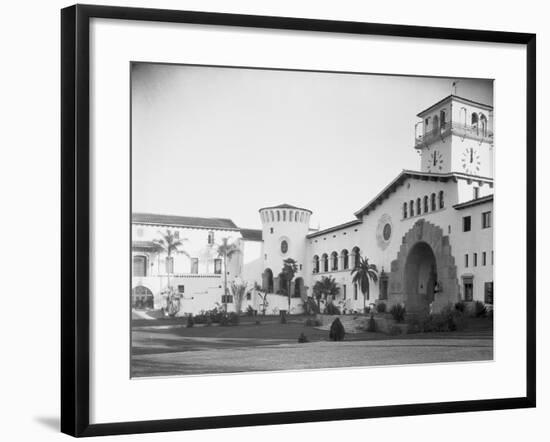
(490, 314)
(283, 317)
(331, 309)
(371, 325)
(250, 311)
(381, 307)
(479, 309)
(313, 322)
(395, 330)
(366, 310)
(460, 306)
(414, 324)
(449, 319)
(302, 338)
(229, 319)
(311, 307)
(337, 331)
(398, 312)
(258, 322)
(190, 321)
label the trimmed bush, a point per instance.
(302, 338)
(311, 307)
(337, 331)
(283, 317)
(460, 306)
(190, 321)
(371, 325)
(395, 330)
(398, 312)
(331, 309)
(381, 307)
(480, 310)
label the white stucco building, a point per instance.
(431, 228)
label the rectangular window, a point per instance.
(140, 266)
(194, 265)
(344, 290)
(466, 260)
(210, 238)
(484, 258)
(248, 296)
(476, 193)
(169, 265)
(218, 266)
(489, 297)
(355, 291)
(486, 220)
(466, 223)
(468, 289)
(475, 259)
(227, 299)
(181, 288)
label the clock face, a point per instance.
(470, 161)
(435, 162)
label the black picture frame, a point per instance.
(75, 213)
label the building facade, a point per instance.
(429, 232)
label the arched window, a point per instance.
(404, 210)
(356, 253)
(411, 207)
(324, 260)
(418, 206)
(436, 123)
(268, 281)
(483, 124)
(284, 215)
(345, 259)
(140, 266)
(278, 216)
(290, 215)
(433, 202)
(334, 261)
(316, 264)
(297, 216)
(272, 216)
(442, 119)
(475, 120)
(441, 202)
(302, 217)
(426, 204)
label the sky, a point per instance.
(224, 142)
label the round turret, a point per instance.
(284, 236)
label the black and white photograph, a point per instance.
(302, 220)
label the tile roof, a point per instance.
(474, 202)
(286, 206)
(144, 245)
(334, 228)
(426, 176)
(184, 221)
(251, 234)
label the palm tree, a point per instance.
(263, 296)
(238, 289)
(290, 267)
(362, 274)
(226, 250)
(325, 287)
(170, 244)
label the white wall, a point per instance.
(30, 178)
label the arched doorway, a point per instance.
(298, 287)
(424, 257)
(142, 298)
(267, 279)
(420, 277)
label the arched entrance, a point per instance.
(420, 277)
(298, 287)
(424, 258)
(142, 298)
(267, 280)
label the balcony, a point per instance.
(475, 132)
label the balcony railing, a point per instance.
(475, 132)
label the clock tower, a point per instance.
(456, 135)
